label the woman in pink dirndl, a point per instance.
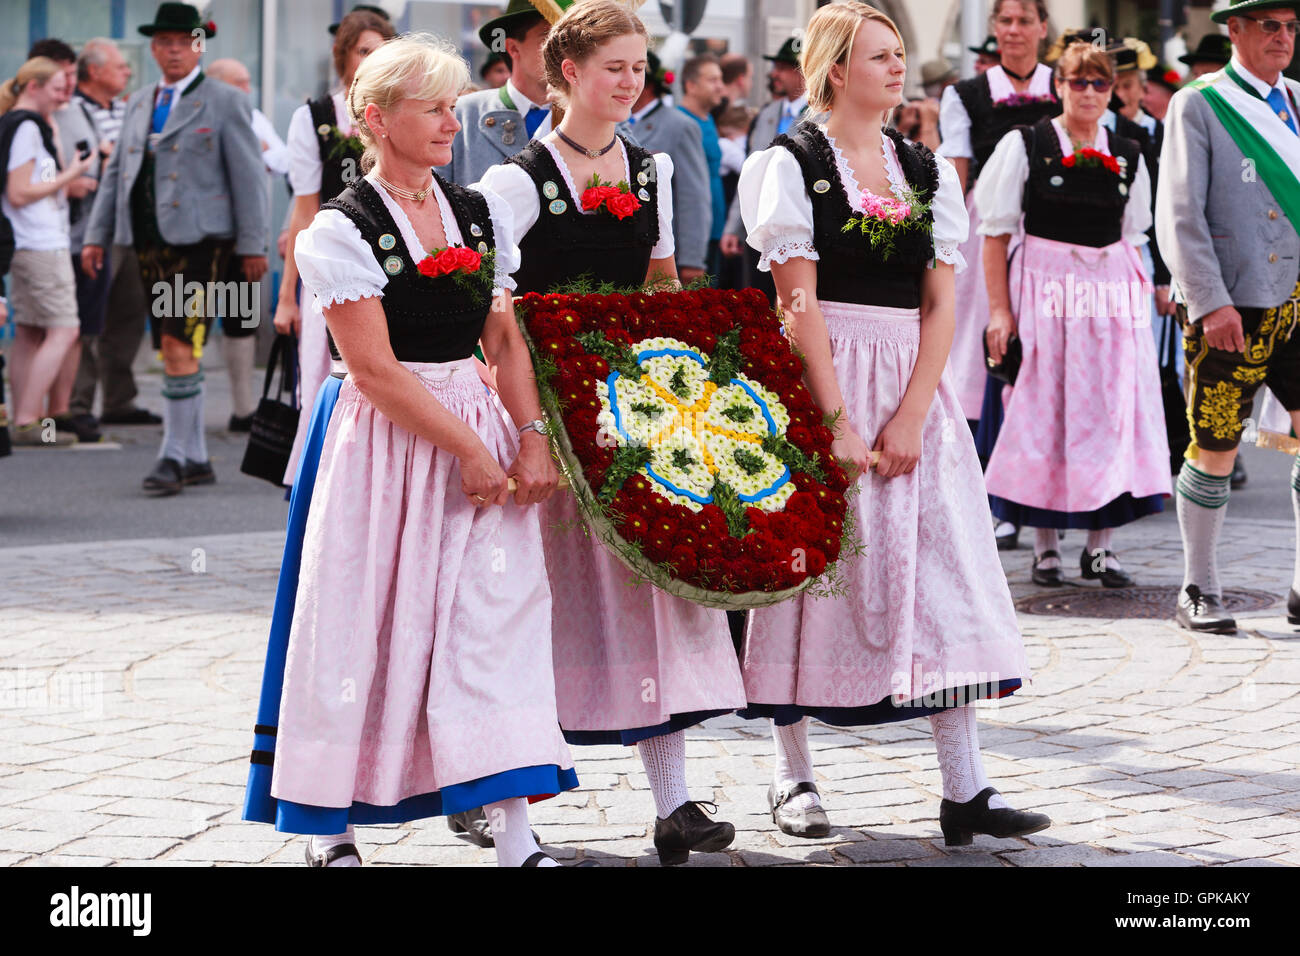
(927, 624)
(418, 675)
(633, 664)
(1084, 442)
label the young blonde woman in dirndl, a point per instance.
(927, 625)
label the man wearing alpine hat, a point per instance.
(1227, 213)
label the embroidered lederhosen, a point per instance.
(990, 122)
(335, 153)
(1082, 205)
(429, 319)
(848, 268)
(565, 243)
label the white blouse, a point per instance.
(954, 121)
(516, 188)
(304, 147)
(337, 265)
(999, 193)
(778, 214)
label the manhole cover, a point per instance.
(1155, 602)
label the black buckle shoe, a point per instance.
(1203, 612)
(1292, 607)
(326, 857)
(537, 858)
(84, 426)
(1108, 576)
(165, 479)
(1047, 577)
(474, 824)
(686, 829)
(198, 473)
(810, 822)
(961, 821)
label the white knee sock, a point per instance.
(794, 762)
(1046, 539)
(511, 832)
(664, 758)
(319, 844)
(1202, 501)
(958, 744)
(238, 355)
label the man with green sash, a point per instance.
(1227, 213)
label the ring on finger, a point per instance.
(480, 499)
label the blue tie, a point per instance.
(786, 119)
(534, 119)
(1278, 102)
(161, 109)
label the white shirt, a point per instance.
(1262, 88)
(641, 113)
(177, 88)
(523, 104)
(954, 121)
(337, 265)
(304, 149)
(1000, 190)
(276, 155)
(778, 213)
(43, 224)
(517, 189)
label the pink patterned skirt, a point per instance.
(927, 607)
(1085, 421)
(313, 367)
(631, 662)
(420, 655)
(966, 368)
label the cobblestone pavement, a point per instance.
(129, 674)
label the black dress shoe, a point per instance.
(198, 473)
(1108, 576)
(810, 822)
(1292, 606)
(130, 416)
(335, 852)
(165, 479)
(1009, 542)
(961, 821)
(686, 829)
(1238, 477)
(1047, 577)
(85, 427)
(474, 824)
(537, 858)
(1203, 612)
(238, 424)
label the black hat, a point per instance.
(1213, 48)
(178, 18)
(515, 11)
(493, 59)
(662, 79)
(786, 54)
(988, 48)
(1166, 76)
(334, 27)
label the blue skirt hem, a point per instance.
(1119, 511)
(590, 738)
(884, 711)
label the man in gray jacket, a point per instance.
(185, 187)
(662, 129)
(1227, 212)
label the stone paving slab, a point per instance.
(129, 673)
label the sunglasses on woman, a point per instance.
(1100, 85)
(1273, 26)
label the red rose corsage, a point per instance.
(443, 262)
(1083, 158)
(618, 200)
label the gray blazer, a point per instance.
(1225, 238)
(209, 182)
(761, 133)
(667, 129)
(490, 133)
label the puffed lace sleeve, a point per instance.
(515, 188)
(954, 126)
(335, 263)
(775, 207)
(951, 221)
(664, 170)
(1137, 212)
(503, 234)
(1000, 190)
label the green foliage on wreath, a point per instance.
(733, 509)
(628, 460)
(726, 359)
(792, 456)
(619, 357)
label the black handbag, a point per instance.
(275, 423)
(1177, 428)
(1009, 367)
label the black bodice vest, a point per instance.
(848, 268)
(1080, 205)
(565, 243)
(429, 319)
(989, 123)
(333, 154)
